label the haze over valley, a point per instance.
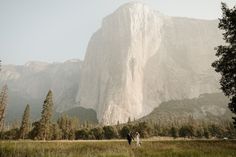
(138, 59)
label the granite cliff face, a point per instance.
(140, 58)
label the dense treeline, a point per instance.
(150, 129)
(69, 128)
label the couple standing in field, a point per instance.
(130, 138)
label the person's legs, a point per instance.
(129, 141)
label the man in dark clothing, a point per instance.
(129, 138)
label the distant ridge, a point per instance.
(210, 108)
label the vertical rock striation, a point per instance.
(140, 58)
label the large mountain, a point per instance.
(140, 58)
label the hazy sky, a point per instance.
(58, 30)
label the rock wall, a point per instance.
(140, 58)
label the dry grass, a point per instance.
(118, 148)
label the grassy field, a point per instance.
(172, 148)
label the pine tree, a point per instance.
(56, 132)
(45, 121)
(174, 132)
(129, 120)
(25, 124)
(3, 104)
(226, 64)
(63, 123)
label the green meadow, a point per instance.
(118, 148)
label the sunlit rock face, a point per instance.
(140, 58)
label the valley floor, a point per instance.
(119, 148)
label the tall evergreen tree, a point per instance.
(129, 120)
(25, 124)
(45, 121)
(226, 64)
(3, 104)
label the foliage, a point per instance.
(186, 131)
(124, 131)
(11, 134)
(3, 104)
(34, 132)
(174, 132)
(110, 132)
(143, 128)
(57, 133)
(45, 121)
(82, 134)
(226, 64)
(98, 133)
(25, 124)
(68, 126)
